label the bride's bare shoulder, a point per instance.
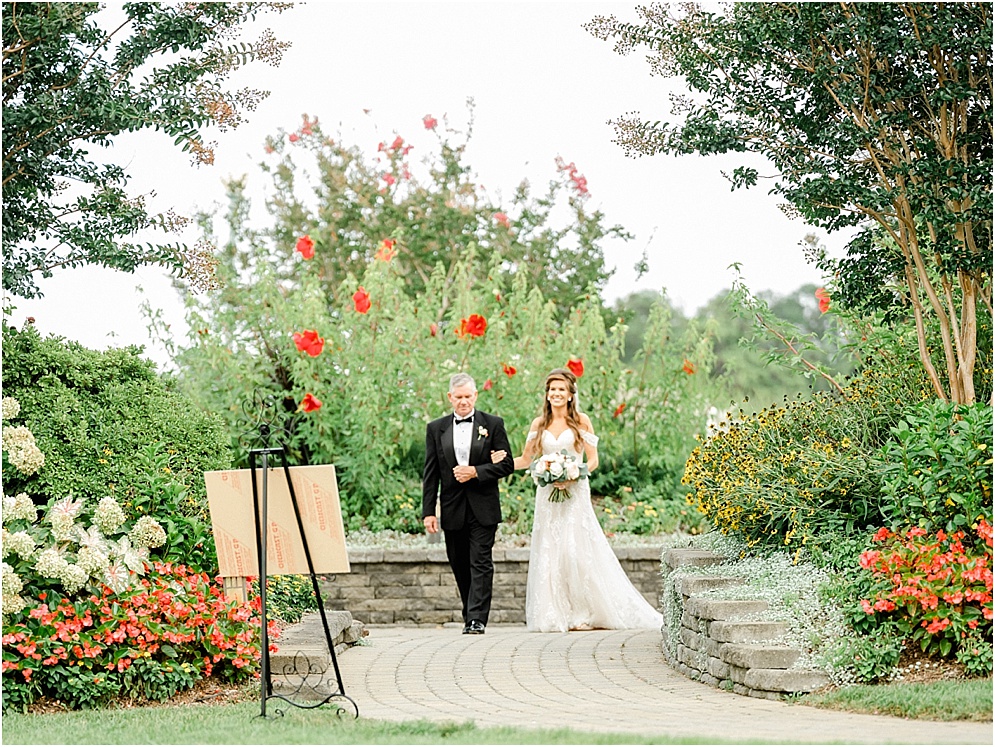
(586, 422)
(535, 424)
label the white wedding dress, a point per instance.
(575, 581)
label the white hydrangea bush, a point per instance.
(18, 441)
(62, 547)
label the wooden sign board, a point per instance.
(229, 495)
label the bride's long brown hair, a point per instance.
(546, 412)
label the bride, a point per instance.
(575, 581)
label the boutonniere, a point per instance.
(482, 432)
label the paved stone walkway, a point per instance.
(592, 681)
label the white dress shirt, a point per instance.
(462, 437)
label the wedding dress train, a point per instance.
(574, 580)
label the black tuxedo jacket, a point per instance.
(481, 493)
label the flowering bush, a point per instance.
(157, 637)
(795, 475)
(67, 552)
(937, 587)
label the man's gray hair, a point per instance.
(461, 379)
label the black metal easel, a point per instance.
(260, 500)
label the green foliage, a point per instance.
(287, 597)
(108, 425)
(873, 657)
(800, 474)
(436, 214)
(873, 115)
(70, 82)
(975, 653)
(651, 509)
(937, 472)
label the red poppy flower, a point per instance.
(502, 219)
(823, 297)
(509, 370)
(475, 326)
(488, 384)
(576, 366)
(619, 410)
(430, 122)
(688, 367)
(309, 342)
(433, 329)
(310, 403)
(361, 300)
(386, 252)
(305, 245)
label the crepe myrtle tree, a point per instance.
(873, 115)
(76, 75)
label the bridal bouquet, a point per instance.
(560, 467)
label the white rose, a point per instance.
(573, 471)
(555, 469)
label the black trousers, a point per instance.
(469, 552)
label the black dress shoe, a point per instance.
(474, 627)
(466, 628)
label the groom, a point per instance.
(459, 474)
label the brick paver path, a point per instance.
(594, 681)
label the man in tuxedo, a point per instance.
(459, 474)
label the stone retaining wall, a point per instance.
(415, 585)
(719, 644)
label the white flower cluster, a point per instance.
(18, 543)
(19, 506)
(91, 560)
(11, 586)
(108, 515)
(10, 407)
(62, 516)
(52, 564)
(22, 451)
(147, 532)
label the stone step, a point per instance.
(728, 631)
(723, 609)
(694, 585)
(686, 556)
(758, 656)
(786, 680)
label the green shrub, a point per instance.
(937, 589)
(872, 658)
(937, 472)
(287, 597)
(798, 475)
(975, 653)
(92, 412)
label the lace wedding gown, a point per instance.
(575, 580)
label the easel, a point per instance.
(260, 504)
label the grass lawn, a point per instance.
(943, 700)
(239, 723)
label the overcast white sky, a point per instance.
(543, 88)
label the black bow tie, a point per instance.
(457, 421)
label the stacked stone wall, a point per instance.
(719, 644)
(414, 586)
